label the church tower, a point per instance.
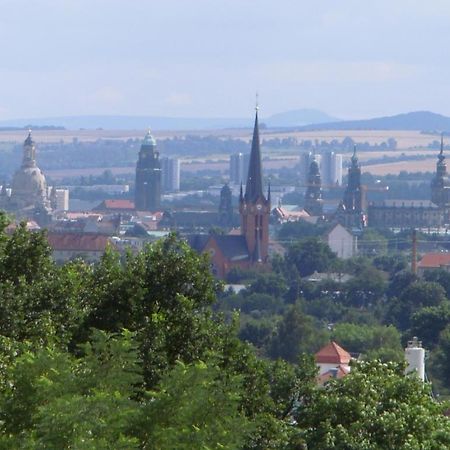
(254, 207)
(313, 195)
(440, 186)
(148, 176)
(226, 207)
(350, 210)
(353, 192)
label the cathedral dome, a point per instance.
(29, 181)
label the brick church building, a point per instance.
(249, 248)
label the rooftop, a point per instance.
(332, 354)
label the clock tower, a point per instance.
(254, 207)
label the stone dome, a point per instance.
(28, 187)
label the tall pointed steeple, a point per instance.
(254, 207)
(254, 186)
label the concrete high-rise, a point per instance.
(239, 167)
(148, 176)
(331, 168)
(170, 174)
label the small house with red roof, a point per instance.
(433, 261)
(333, 362)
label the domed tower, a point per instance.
(29, 187)
(148, 176)
(313, 196)
(254, 207)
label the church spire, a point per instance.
(254, 186)
(354, 157)
(441, 156)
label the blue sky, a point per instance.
(206, 58)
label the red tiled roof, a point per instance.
(83, 242)
(434, 260)
(333, 354)
(119, 204)
(115, 205)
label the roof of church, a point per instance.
(197, 241)
(333, 354)
(254, 185)
(232, 247)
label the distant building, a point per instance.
(170, 174)
(350, 211)
(406, 214)
(88, 246)
(313, 195)
(342, 242)
(333, 362)
(226, 207)
(62, 200)
(440, 185)
(148, 176)
(115, 206)
(239, 167)
(304, 165)
(331, 169)
(28, 193)
(283, 214)
(254, 206)
(433, 261)
(249, 248)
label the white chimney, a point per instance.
(415, 357)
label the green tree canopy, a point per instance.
(375, 407)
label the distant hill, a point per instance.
(418, 120)
(287, 119)
(299, 117)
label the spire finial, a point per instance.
(257, 102)
(442, 143)
(354, 150)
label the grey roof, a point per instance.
(233, 247)
(197, 241)
(404, 203)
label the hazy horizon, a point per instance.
(207, 58)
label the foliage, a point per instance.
(309, 256)
(374, 407)
(375, 341)
(296, 333)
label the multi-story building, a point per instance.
(170, 174)
(331, 169)
(239, 167)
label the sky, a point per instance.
(207, 58)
